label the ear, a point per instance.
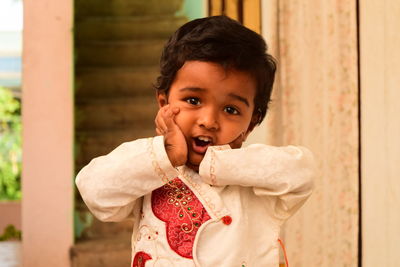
(253, 123)
(162, 99)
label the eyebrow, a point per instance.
(242, 99)
(198, 89)
(192, 89)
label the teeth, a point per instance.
(204, 139)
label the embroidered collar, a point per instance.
(207, 194)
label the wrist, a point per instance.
(176, 160)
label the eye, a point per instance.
(193, 101)
(231, 110)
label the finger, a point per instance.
(164, 109)
(169, 119)
(159, 120)
(159, 132)
(160, 124)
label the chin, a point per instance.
(194, 161)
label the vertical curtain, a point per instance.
(315, 104)
(247, 12)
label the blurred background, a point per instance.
(82, 71)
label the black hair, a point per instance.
(221, 40)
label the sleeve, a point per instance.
(111, 184)
(283, 175)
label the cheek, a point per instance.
(233, 130)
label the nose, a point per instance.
(208, 119)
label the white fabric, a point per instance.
(259, 187)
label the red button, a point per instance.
(227, 220)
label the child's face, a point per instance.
(215, 106)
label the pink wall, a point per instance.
(10, 213)
(47, 110)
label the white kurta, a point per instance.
(247, 194)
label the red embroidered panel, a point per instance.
(140, 259)
(183, 214)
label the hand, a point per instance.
(174, 140)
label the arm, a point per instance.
(111, 184)
(283, 175)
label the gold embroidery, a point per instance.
(180, 195)
(166, 180)
(212, 168)
(207, 201)
(154, 162)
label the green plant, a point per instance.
(10, 146)
(10, 233)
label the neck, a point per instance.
(193, 167)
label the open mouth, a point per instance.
(201, 143)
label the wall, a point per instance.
(13, 217)
(380, 132)
(315, 104)
(47, 117)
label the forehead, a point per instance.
(214, 79)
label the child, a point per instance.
(197, 198)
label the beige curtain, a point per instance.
(316, 105)
(245, 11)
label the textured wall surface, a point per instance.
(316, 105)
(380, 131)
